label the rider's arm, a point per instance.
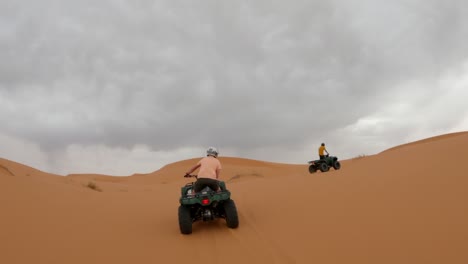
(194, 168)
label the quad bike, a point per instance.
(325, 164)
(206, 205)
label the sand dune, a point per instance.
(405, 205)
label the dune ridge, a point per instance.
(407, 204)
(427, 140)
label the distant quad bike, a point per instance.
(206, 205)
(325, 164)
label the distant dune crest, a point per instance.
(428, 140)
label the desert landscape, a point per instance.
(407, 204)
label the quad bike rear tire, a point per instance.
(312, 169)
(232, 220)
(323, 167)
(185, 220)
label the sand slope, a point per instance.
(407, 205)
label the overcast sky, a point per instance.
(121, 87)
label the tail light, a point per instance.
(205, 201)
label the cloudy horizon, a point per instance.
(123, 87)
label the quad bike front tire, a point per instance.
(185, 220)
(323, 167)
(232, 220)
(337, 165)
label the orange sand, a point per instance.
(405, 205)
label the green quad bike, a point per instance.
(206, 205)
(325, 164)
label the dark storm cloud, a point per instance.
(242, 75)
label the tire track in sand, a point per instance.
(218, 243)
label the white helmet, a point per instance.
(212, 151)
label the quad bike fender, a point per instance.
(197, 198)
(223, 194)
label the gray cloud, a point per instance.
(262, 79)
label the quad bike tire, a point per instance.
(232, 220)
(323, 167)
(337, 165)
(185, 220)
(312, 169)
